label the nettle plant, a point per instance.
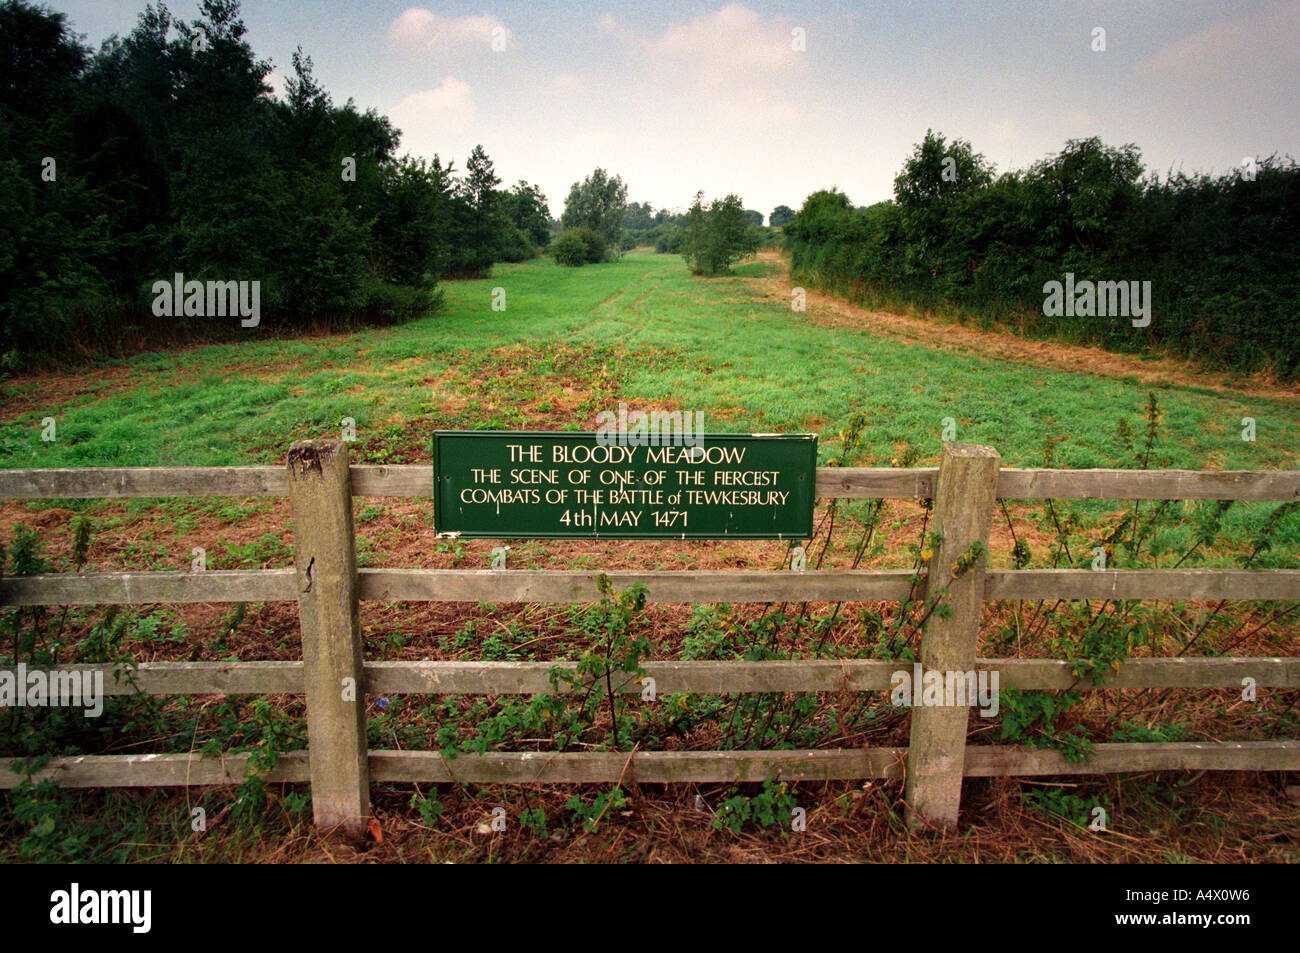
(611, 662)
(1096, 640)
(264, 732)
(772, 806)
(45, 822)
(1079, 811)
(571, 713)
(40, 638)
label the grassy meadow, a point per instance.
(570, 343)
(573, 342)
(640, 329)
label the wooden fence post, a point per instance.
(964, 498)
(320, 497)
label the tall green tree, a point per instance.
(598, 202)
(781, 215)
(222, 177)
(1078, 197)
(932, 182)
(477, 221)
(412, 243)
(54, 228)
(716, 237)
(638, 216)
(525, 205)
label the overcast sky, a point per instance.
(678, 96)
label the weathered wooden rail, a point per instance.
(328, 587)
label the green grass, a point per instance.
(573, 341)
(640, 330)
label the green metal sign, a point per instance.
(504, 484)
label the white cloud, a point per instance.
(731, 41)
(418, 29)
(737, 67)
(427, 117)
(732, 45)
(1234, 51)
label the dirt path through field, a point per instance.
(1057, 355)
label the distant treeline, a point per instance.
(165, 152)
(667, 231)
(1222, 253)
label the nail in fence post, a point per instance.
(320, 497)
(964, 498)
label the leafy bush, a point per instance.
(569, 249)
(579, 246)
(668, 239)
(516, 246)
(394, 304)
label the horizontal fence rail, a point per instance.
(673, 677)
(666, 586)
(661, 767)
(963, 487)
(832, 483)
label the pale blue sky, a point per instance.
(679, 96)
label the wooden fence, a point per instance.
(328, 586)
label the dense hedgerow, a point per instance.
(1222, 252)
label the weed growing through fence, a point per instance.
(772, 806)
(1097, 639)
(264, 732)
(589, 814)
(40, 639)
(1079, 811)
(429, 805)
(617, 646)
